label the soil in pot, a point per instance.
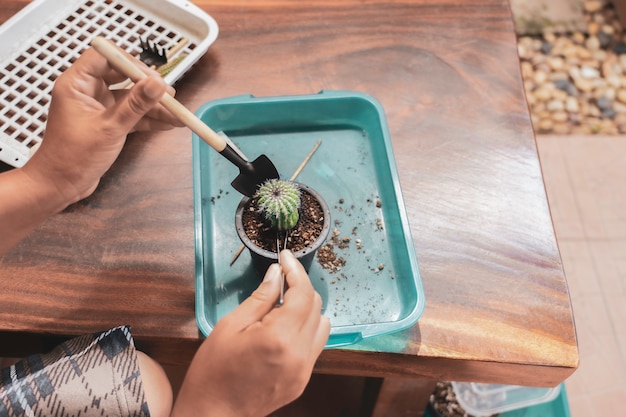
(307, 230)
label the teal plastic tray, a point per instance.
(379, 290)
(559, 407)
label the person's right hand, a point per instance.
(258, 358)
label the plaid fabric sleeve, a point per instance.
(91, 375)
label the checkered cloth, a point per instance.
(91, 375)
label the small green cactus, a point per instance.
(279, 200)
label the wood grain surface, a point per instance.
(447, 75)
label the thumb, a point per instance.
(140, 99)
(261, 301)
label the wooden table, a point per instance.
(447, 75)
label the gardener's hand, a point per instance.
(258, 358)
(88, 124)
(86, 129)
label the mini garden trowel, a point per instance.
(251, 174)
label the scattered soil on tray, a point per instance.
(443, 400)
(326, 255)
(307, 229)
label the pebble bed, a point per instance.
(576, 82)
(444, 403)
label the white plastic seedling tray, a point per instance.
(44, 38)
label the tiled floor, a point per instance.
(585, 179)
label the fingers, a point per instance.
(152, 125)
(91, 64)
(131, 106)
(296, 275)
(303, 305)
(300, 313)
(99, 67)
(261, 302)
(139, 101)
(158, 118)
(300, 288)
(161, 114)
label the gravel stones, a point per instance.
(444, 403)
(576, 82)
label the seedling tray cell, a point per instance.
(379, 289)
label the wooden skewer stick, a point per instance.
(292, 178)
(306, 160)
(236, 255)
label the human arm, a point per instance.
(85, 132)
(258, 358)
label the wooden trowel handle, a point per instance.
(123, 63)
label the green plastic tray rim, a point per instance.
(340, 335)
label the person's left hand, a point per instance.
(88, 124)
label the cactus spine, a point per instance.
(279, 201)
